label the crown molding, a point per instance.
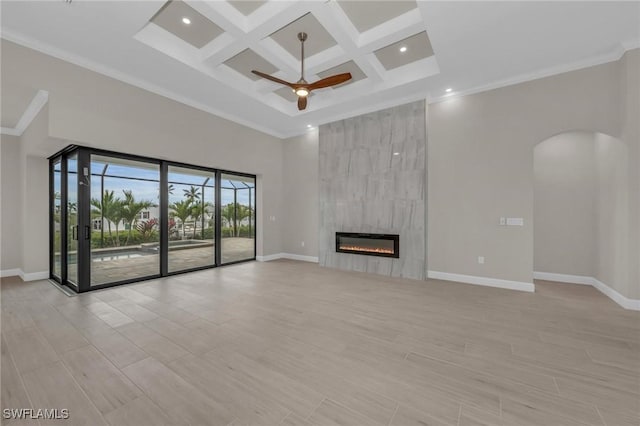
(66, 56)
(37, 103)
(614, 55)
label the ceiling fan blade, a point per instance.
(274, 79)
(302, 102)
(330, 81)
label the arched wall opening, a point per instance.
(581, 208)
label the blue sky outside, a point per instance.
(128, 177)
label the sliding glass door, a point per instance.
(191, 211)
(125, 197)
(71, 215)
(238, 233)
(117, 218)
(56, 219)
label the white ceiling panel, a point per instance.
(198, 32)
(403, 52)
(248, 60)
(318, 39)
(365, 15)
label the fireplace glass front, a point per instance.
(385, 245)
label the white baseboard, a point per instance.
(625, 302)
(291, 256)
(10, 273)
(563, 278)
(31, 276)
(34, 276)
(269, 257)
(485, 281)
(312, 259)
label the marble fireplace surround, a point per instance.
(373, 179)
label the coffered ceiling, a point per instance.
(201, 53)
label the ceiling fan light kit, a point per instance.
(302, 88)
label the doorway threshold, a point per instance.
(66, 290)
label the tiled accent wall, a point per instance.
(364, 187)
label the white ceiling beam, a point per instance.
(336, 22)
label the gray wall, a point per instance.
(481, 165)
(90, 109)
(565, 195)
(35, 206)
(10, 204)
(300, 180)
(613, 264)
(630, 93)
(481, 158)
(365, 188)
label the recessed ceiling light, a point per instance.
(449, 90)
(186, 21)
(403, 49)
(309, 126)
(396, 153)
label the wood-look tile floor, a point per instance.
(290, 343)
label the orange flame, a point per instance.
(367, 249)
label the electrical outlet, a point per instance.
(481, 260)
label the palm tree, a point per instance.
(117, 217)
(243, 213)
(228, 213)
(234, 214)
(182, 210)
(131, 209)
(193, 195)
(198, 211)
(108, 208)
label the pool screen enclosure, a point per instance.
(117, 218)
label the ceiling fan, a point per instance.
(301, 87)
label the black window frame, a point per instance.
(84, 156)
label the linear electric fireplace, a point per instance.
(385, 245)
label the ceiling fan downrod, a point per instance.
(302, 37)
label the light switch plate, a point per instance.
(515, 221)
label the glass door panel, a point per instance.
(124, 219)
(71, 212)
(237, 211)
(56, 264)
(191, 207)
(116, 218)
